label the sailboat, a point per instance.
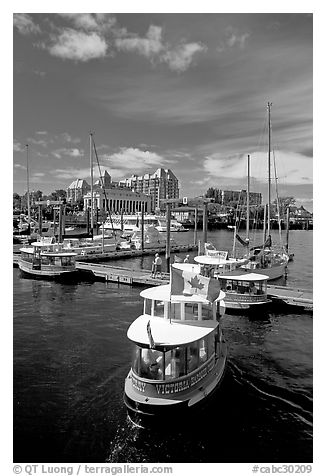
(264, 259)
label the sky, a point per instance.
(185, 91)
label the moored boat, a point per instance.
(179, 354)
(47, 259)
(244, 291)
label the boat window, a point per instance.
(191, 311)
(175, 363)
(192, 357)
(175, 311)
(136, 359)
(151, 364)
(206, 312)
(51, 260)
(202, 351)
(45, 260)
(159, 308)
(210, 345)
(66, 261)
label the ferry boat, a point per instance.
(47, 259)
(244, 291)
(179, 353)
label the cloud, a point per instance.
(77, 45)
(292, 168)
(25, 25)
(233, 39)
(101, 22)
(40, 142)
(135, 159)
(72, 152)
(181, 57)
(19, 166)
(41, 133)
(68, 138)
(152, 47)
(149, 46)
(18, 147)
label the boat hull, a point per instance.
(147, 409)
(46, 273)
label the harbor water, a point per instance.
(71, 356)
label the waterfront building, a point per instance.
(76, 190)
(116, 198)
(162, 184)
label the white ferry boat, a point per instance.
(47, 259)
(179, 353)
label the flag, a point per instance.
(190, 283)
(150, 337)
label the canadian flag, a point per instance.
(190, 283)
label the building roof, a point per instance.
(78, 183)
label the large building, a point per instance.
(110, 196)
(76, 190)
(162, 184)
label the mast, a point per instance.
(28, 197)
(91, 170)
(248, 198)
(269, 104)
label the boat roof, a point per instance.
(204, 259)
(166, 333)
(238, 276)
(163, 293)
(49, 253)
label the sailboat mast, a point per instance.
(91, 170)
(269, 169)
(28, 197)
(248, 199)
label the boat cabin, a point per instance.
(213, 266)
(244, 288)
(180, 349)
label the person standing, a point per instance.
(157, 266)
(186, 260)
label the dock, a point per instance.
(281, 296)
(291, 296)
(122, 275)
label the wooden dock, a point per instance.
(291, 296)
(280, 295)
(122, 275)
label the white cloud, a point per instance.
(135, 159)
(17, 146)
(232, 39)
(41, 133)
(41, 142)
(149, 46)
(19, 166)
(78, 46)
(24, 24)
(70, 152)
(181, 57)
(291, 167)
(152, 47)
(100, 22)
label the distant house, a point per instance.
(300, 216)
(76, 190)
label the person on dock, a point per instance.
(186, 260)
(157, 266)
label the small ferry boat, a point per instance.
(179, 353)
(175, 226)
(244, 291)
(47, 259)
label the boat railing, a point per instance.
(237, 297)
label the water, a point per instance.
(71, 357)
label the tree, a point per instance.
(59, 194)
(16, 200)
